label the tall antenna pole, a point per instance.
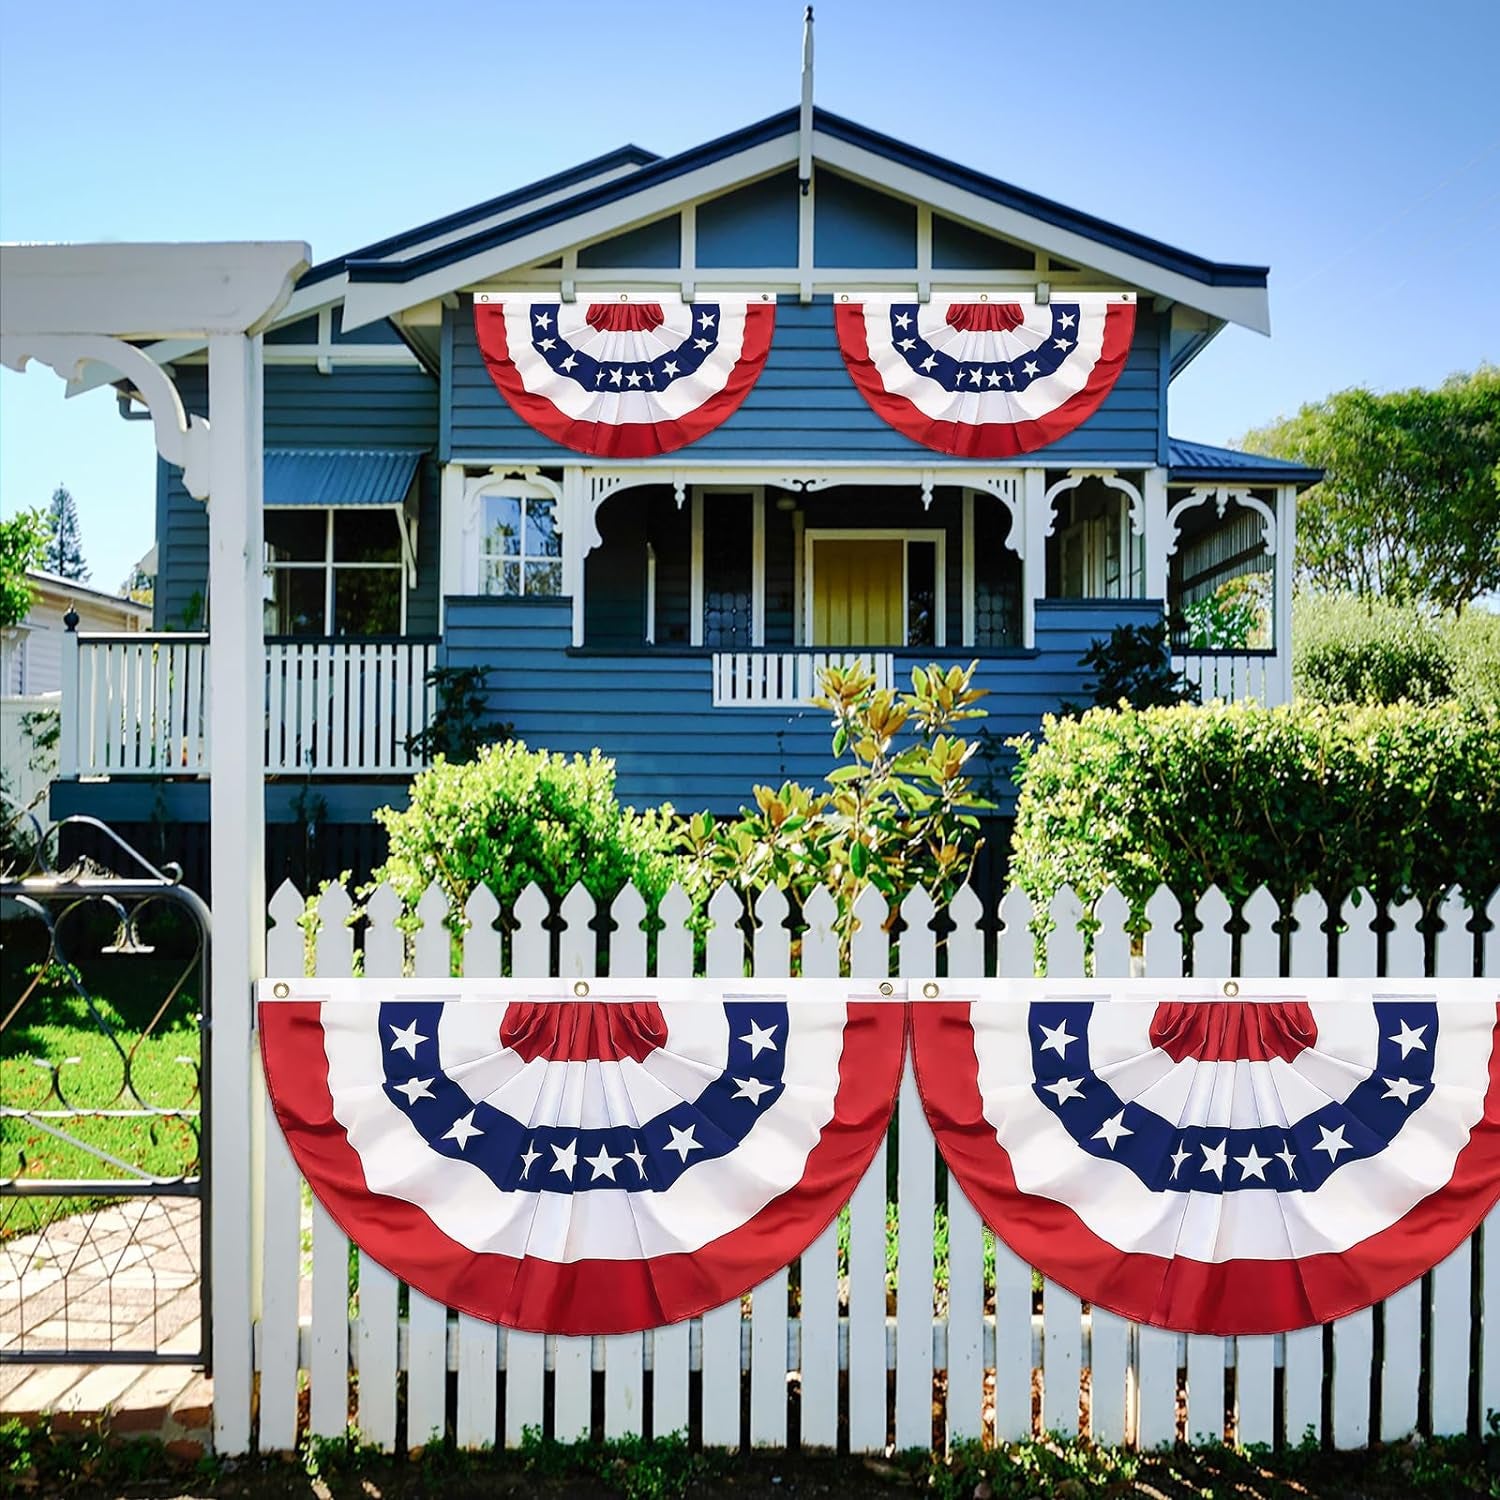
(805, 122)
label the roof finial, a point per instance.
(805, 120)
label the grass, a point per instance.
(67, 1050)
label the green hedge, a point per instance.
(1368, 650)
(1401, 799)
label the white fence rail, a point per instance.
(786, 679)
(138, 705)
(1232, 675)
(1016, 1359)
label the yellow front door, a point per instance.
(858, 592)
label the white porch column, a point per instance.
(236, 662)
(1154, 494)
(1037, 526)
(577, 541)
(1284, 576)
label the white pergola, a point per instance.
(72, 307)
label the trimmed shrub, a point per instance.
(1365, 650)
(512, 816)
(1402, 799)
(1474, 642)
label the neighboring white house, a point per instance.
(31, 672)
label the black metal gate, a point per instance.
(104, 1102)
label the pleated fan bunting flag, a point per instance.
(624, 376)
(581, 1166)
(987, 375)
(1220, 1165)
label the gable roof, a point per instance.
(538, 223)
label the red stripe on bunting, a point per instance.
(1187, 1296)
(586, 1296)
(984, 439)
(624, 439)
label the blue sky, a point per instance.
(1355, 148)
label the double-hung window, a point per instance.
(332, 572)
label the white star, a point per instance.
(751, 1089)
(759, 1039)
(903, 320)
(530, 1156)
(1112, 1129)
(1063, 344)
(415, 1088)
(569, 362)
(1286, 1155)
(567, 1158)
(1408, 1040)
(1010, 377)
(1065, 320)
(1333, 1142)
(1065, 1089)
(703, 343)
(906, 344)
(633, 378)
(604, 1164)
(407, 1041)
(547, 344)
(1214, 1159)
(638, 1157)
(462, 1131)
(930, 363)
(544, 320)
(1253, 1165)
(682, 1141)
(705, 320)
(1058, 1039)
(670, 368)
(1179, 1156)
(975, 376)
(1030, 367)
(614, 376)
(993, 378)
(1400, 1088)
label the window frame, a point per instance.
(329, 565)
(525, 496)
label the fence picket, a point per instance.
(670, 1346)
(1448, 1346)
(1401, 1368)
(966, 1322)
(280, 1257)
(820, 1268)
(1163, 956)
(1212, 943)
(1062, 1338)
(1353, 1359)
(1205, 1387)
(1112, 941)
(869, 959)
(1303, 1377)
(1064, 943)
(1255, 1389)
(768, 1302)
(1455, 943)
(1156, 1357)
(1016, 948)
(725, 959)
(1110, 1377)
(525, 1353)
(1309, 943)
(1012, 1345)
(1358, 942)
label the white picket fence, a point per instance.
(759, 1370)
(787, 679)
(1259, 676)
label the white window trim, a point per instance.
(484, 556)
(812, 535)
(466, 495)
(329, 566)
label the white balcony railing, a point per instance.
(138, 705)
(785, 679)
(1234, 675)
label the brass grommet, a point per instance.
(887, 988)
(581, 988)
(930, 990)
(281, 990)
(1231, 988)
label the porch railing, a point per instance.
(785, 679)
(138, 705)
(1233, 675)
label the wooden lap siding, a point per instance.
(804, 408)
(653, 711)
(361, 407)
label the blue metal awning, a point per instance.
(368, 478)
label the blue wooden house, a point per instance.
(653, 439)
